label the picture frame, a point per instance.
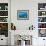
(22, 14)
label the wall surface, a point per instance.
(32, 6)
(23, 5)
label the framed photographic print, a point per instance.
(22, 14)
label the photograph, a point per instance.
(22, 14)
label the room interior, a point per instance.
(22, 23)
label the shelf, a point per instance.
(3, 16)
(42, 19)
(41, 22)
(41, 28)
(3, 10)
(42, 16)
(4, 19)
(3, 22)
(41, 10)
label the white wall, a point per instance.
(23, 5)
(32, 6)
